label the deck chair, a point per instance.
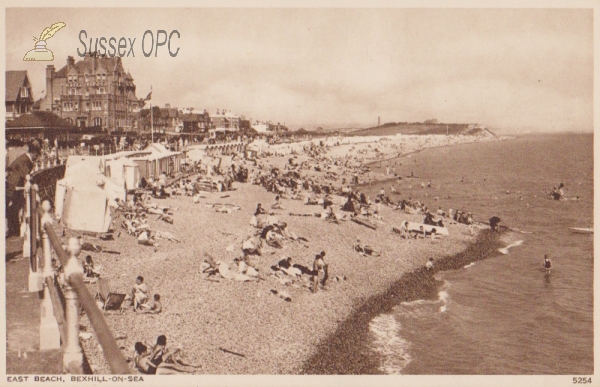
(112, 301)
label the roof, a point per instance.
(37, 104)
(14, 81)
(159, 149)
(87, 64)
(39, 119)
(193, 117)
(226, 114)
(133, 98)
(261, 128)
(168, 112)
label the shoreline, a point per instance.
(276, 337)
(347, 352)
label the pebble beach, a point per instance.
(232, 327)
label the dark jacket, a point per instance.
(17, 171)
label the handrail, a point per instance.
(59, 312)
(115, 358)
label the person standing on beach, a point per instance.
(547, 264)
(320, 268)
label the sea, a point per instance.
(503, 315)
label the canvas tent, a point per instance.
(123, 170)
(84, 195)
(196, 153)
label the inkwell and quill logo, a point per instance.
(40, 52)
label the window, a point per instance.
(69, 120)
(97, 121)
(96, 105)
(101, 90)
(24, 92)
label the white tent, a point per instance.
(196, 154)
(123, 170)
(84, 195)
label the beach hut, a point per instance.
(157, 160)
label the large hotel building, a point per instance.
(95, 91)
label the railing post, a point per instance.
(72, 356)
(35, 274)
(26, 222)
(49, 333)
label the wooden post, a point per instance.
(35, 274)
(72, 356)
(25, 223)
(49, 333)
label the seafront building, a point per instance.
(18, 95)
(95, 91)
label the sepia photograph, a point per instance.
(233, 194)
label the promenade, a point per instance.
(23, 355)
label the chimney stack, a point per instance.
(49, 98)
(70, 61)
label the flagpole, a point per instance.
(151, 122)
(151, 115)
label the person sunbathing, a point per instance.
(277, 205)
(89, 246)
(88, 268)
(272, 236)
(364, 250)
(170, 358)
(145, 239)
(143, 362)
(151, 307)
(139, 292)
(141, 359)
(285, 263)
(259, 210)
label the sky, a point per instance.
(507, 69)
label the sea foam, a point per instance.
(388, 343)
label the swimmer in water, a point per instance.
(547, 264)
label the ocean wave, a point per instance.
(515, 244)
(388, 343)
(416, 309)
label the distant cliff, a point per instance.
(393, 128)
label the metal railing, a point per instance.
(56, 324)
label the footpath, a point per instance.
(23, 355)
